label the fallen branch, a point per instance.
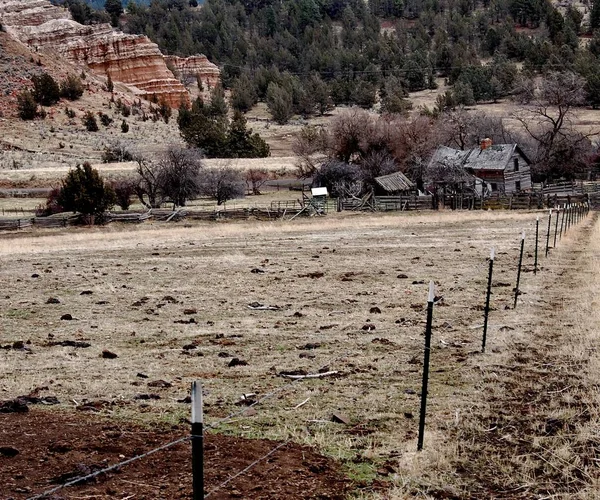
(310, 375)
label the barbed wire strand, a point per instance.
(246, 469)
(108, 469)
(214, 425)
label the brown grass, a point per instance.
(208, 267)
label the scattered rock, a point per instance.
(310, 345)
(35, 275)
(70, 343)
(170, 300)
(298, 314)
(237, 362)
(8, 451)
(382, 341)
(408, 414)
(375, 310)
(86, 292)
(189, 347)
(189, 311)
(66, 317)
(163, 384)
(106, 354)
(53, 300)
(190, 321)
(368, 327)
(102, 302)
(13, 406)
(307, 355)
(257, 270)
(402, 276)
(257, 306)
(340, 418)
(224, 355)
(328, 327)
(146, 397)
(292, 372)
(186, 400)
(418, 282)
(142, 375)
(313, 275)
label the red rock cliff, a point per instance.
(130, 59)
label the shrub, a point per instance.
(45, 90)
(52, 204)
(71, 88)
(116, 152)
(124, 127)
(124, 189)
(70, 113)
(84, 191)
(105, 119)
(26, 105)
(89, 120)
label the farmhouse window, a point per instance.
(518, 185)
(494, 187)
(516, 163)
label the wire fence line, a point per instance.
(213, 425)
(183, 439)
(108, 469)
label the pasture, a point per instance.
(343, 293)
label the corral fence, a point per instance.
(276, 210)
(549, 196)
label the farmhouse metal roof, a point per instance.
(395, 182)
(495, 157)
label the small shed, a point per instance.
(395, 184)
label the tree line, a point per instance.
(304, 56)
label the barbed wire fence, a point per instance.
(575, 213)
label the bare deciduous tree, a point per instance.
(547, 118)
(309, 146)
(173, 176)
(222, 183)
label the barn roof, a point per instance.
(395, 182)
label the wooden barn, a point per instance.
(505, 168)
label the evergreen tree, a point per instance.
(114, 8)
(242, 143)
(26, 105)
(595, 16)
(84, 191)
(280, 104)
(45, 89)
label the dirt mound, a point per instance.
(46, 449)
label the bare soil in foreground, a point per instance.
(55, 447)
(236, 306)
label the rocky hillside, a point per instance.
(41, 38)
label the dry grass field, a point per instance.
(347, 293)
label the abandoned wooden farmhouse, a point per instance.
(493, 168)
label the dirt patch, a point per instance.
(45, 449)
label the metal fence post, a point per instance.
(486, 311)
(519, 269)
(430, 300)
(197, 442)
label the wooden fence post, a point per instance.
(537, 232)
(548, 232)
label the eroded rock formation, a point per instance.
(193, 66)
(130, 59)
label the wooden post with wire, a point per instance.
(556, 226)
(537, 232)
(423, 410)
(197, 442)
(486, 311)
(519, 269)
(548, 232)
(562, 222)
